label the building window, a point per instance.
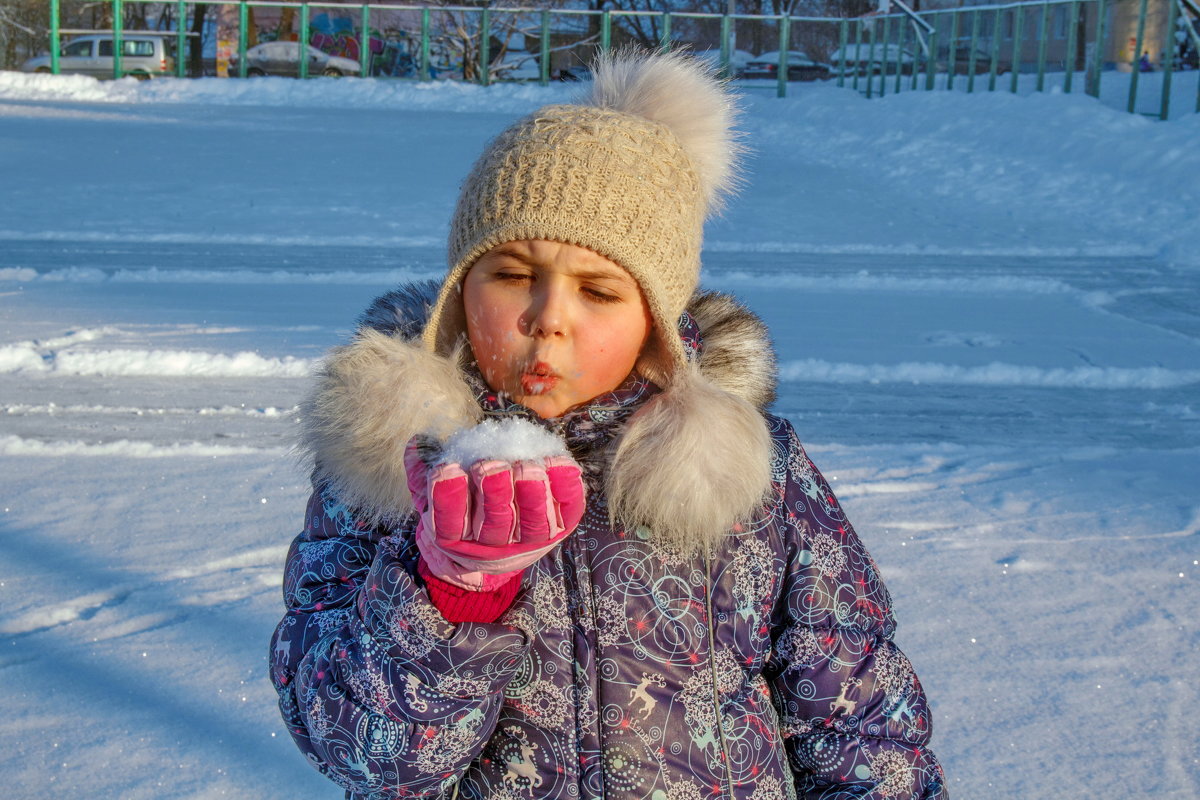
(1060, 22)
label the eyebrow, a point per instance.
(609, 275)
(588, 274)
(513, 253)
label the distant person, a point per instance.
(650, 591)
(1144, 64)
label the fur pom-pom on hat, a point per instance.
(684, 94)
(631, 173)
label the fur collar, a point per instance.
(690, 464)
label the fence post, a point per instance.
(785, 34)
(243, 23)
(544, 50)
(1137, 54)
(858, 34)
(1072, 46)
(997, 35)
(931, 62)
(485, 46)
(55, 38)
(302, 45)
(364, 42)
(971, 57)
(1098, 52)
(118, 16)
(916, 63)
(664, 33)
(871, 60)
(605, 31)
(843, 37)
(180, 38)
(883, 60)
(952, 51)
(1045, 30)
(424, 65)
(1169, 54)
(725, 25)
(1018, 29)
(903, 26)
(1194, 32)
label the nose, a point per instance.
(548, 311)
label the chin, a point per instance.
(544, 406)
(543, 409)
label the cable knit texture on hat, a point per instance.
(631, 174)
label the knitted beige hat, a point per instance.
(630, 174)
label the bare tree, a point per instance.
(25, 27)
(462, 35)
(196, 52)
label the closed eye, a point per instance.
(598, 296)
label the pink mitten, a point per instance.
(481, 526)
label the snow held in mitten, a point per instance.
(510, 439)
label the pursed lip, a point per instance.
(539, 378)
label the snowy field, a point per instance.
(987, 310)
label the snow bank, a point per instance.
(34, 357)
(212, 237)
(1000, 174)
(995, 374)
(223, 277)
(1019, 162)
(285, 92)
(52, 409)
(876, 248)
(19, 446)
(866, 280)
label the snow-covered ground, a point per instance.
(987, 310)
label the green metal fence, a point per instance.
(968, 48)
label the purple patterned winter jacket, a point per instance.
(624, 669)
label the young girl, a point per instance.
(654, 593)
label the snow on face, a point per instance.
(552, 324)
(509, 439)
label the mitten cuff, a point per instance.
(463, 605)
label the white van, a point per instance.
(142, 56)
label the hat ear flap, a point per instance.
(656, 363)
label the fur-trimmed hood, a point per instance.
(692, 462)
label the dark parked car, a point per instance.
(799, 67)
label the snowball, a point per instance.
(509, 439)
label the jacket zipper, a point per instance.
(712, 670)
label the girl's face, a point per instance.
(553, 325)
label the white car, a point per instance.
(142, 56)
(281, 58)
(883, 57)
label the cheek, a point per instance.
(492, 332)
(612, 352)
